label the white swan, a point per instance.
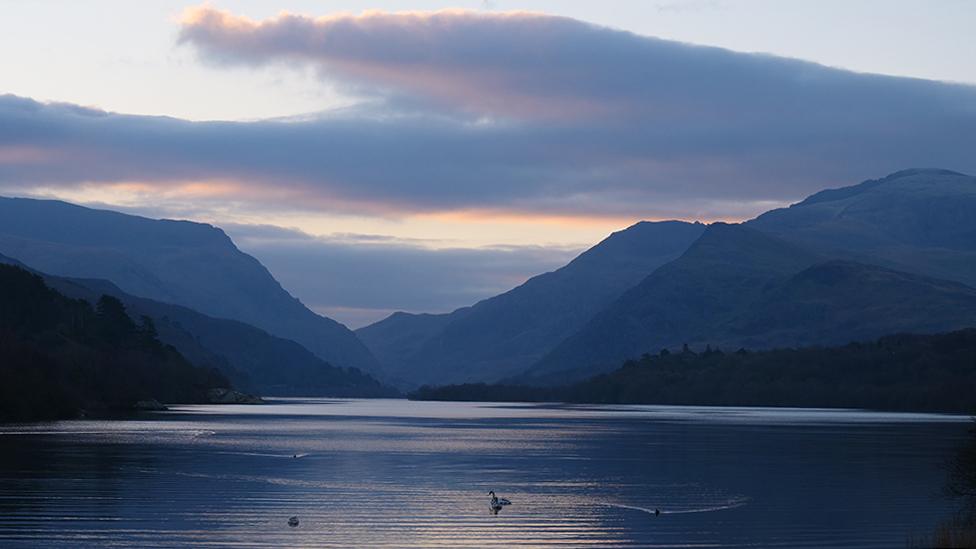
(496, 502)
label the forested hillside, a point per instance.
(60, 356)
(898, 372)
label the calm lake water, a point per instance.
(393, 473)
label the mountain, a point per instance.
(253, 359)
(739, 287)
(397, 339)
(59, 356)
(921, 221)
(839, 301)
(886, 253)
(503, 335)
(721, 273)
(180, 262)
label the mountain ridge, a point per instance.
(185, 263)
(723, 270)
(840, 193)
(500, 335)
(917, 220)
(253, 359)
(714, 294)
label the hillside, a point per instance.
(180, 262)
(253, 359)
(738, 287)
(686, 300)
(400, 337)
(897, 372)
(59, 356)
(919, 221)
(837, 301)
(505, 334)
(849, 263)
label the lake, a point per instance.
(395, 473)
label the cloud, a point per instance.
(481, 62)
(528, 65)
(514, 113)
(359, 279)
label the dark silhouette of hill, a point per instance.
(897, 372)
(59, 356)
(253, 359)
(503, 335)
(180, 262)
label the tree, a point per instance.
(148, 335)
(114, 323)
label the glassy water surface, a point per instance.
(393, 473)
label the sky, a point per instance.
(419, 156)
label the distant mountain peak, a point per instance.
(30, 217)
(911, 172)
(830, 195)
(647, 223)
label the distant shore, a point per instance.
(904, 373)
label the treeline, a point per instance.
(60, 356)
(899, 372)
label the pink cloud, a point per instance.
(20, 154)
(481, 63)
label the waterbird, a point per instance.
(293, 522)
(496, 503)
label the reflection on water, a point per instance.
(390, 473)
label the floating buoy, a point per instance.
(293, 522)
